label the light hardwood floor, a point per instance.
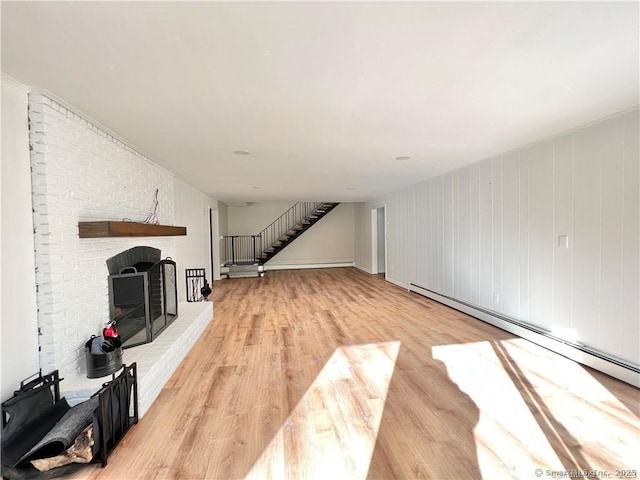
(335, 373)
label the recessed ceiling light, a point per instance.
(241, 152)
(403, 157)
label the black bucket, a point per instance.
(103, 363)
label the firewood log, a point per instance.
(80, 452)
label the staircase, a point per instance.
(246, 254)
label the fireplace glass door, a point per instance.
(162, 296)
(144, 300)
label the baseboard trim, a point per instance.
(268, 267)
(599, 361)
(364, 269)
(396, 282)
(387, 278)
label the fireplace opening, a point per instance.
(143, 295)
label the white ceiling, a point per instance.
(326, 95)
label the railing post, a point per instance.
(233, 250)
(254, 249)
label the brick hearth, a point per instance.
(156, 361)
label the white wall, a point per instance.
(223, 222)
(329, 241)
(254, 218)
(194, 249)
(488, 235)
(18, 325)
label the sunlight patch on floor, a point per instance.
(517, 388)
(331, 433)
(521, 448)
(585, 408)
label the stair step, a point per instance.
(243, 268)
(243, 275)
(243, 271)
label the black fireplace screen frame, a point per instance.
(143, 300)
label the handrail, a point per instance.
(285, 222)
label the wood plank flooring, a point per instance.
(335, 373)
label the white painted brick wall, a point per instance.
(81, 172)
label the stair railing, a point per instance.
(285, 222)
(247, 249)
(241, 249)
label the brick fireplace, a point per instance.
(81, 172)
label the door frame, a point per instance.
(374, 240)
(214, 243)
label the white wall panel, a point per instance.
(438, 234)
(629, 323)
(525, 167)
(586, 233)
(392, 243)
(463, 236)
(423, 231)
(510, 292)
(494, 227)
(474, 232)
(398, 243)
(410, 233)
(448, 253)
(430, 247)
(612, 204)
(541, 243)
(485, 201)
(455, 204)
(562, 226)
(496, 202)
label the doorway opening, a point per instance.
(379, 241)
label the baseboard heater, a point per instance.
(592, 358)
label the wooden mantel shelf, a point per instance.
(127, 229)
